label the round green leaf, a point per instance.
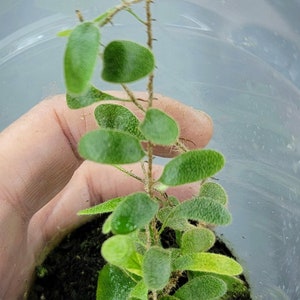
(110, 147)
(203, 209)
(119, 250)
(126, 61)
(215, 191)
(192, 166)
(113, 284)
(80, 57)
(133, 213)
(118, 117)
(157, 268)
(202, 288)
(197, 240)
(159, 128)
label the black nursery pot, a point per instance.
(236, 60)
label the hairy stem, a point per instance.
(124, 5)
(129, 173)
(132, 97)
(150, 96)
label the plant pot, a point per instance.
(237, 61)
(71, 269)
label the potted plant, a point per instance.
(139, 264)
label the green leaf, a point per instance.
(126, 61)
(159, 128)
(157, 268)
(140, 291)
(215, 191)
(90, 96)
(205, 210)
(136, 211)
(105, 207)
(169, 298)
(165, 216)
(236, 288)
(118, 117)
(110, 147)
(64, 33)
(197, 240)
(119, 250)
(113, 284)
(106, 227)
(192, 166)
(80, 57)
(202, 288)
(208, 262)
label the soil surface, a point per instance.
(71, 270)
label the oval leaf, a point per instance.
(192, 166)
(157, 268)
(110, 147)
(119, 250)
(236, 288)
(113, 284)
(126, 61)
(215, 191)
(80, 57)
(205, 210)
(202, 288)
(91, 96)
(208, 262)
(118, 117)
(133, 213)
(197, 240)
(159, 128)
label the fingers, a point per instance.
(91, 184)
(39, 152)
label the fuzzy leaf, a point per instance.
(202, 288)
(205, 210)
(235, 286)
(118, 117)
(119, 250)
(126, 61)
(133, 213)
(215, 191)
(110, 147)
(157, 268)
(113, 284)
(140, 291)
(105, 207)
(91, 96)
(197, 240)
(159, 128)
(165, 216)
(208, 262)
(80, 57)
(192, 166)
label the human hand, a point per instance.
(44, 182)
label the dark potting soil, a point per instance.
(71, 270)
